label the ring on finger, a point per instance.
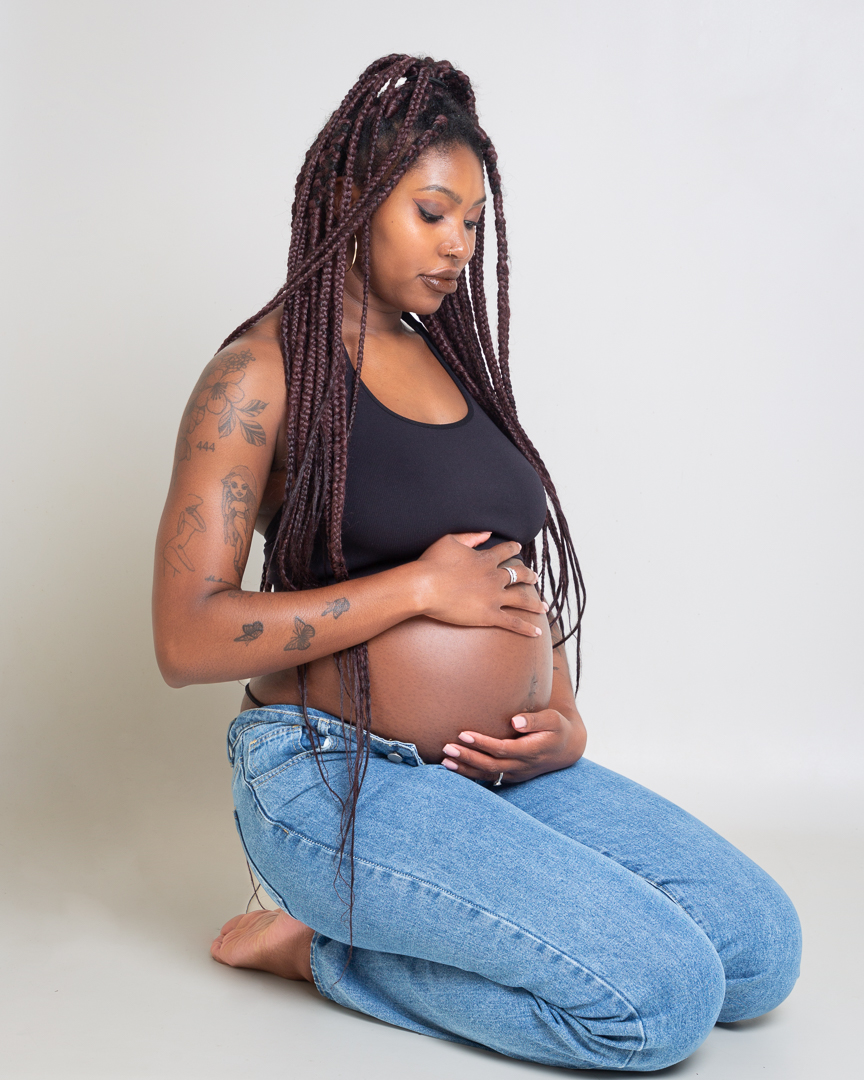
(513, 576)
(498, 781)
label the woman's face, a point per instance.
(239, 488)
(423, 234)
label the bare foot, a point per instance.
(267, 941)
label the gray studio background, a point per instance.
(683, 189)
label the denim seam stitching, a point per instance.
(241, 729)
(332, 721)
(316, 975)
(277, 770)
(273, 892)
(615, 857)
(468, 903)
(275, 732)
(684, 907)
(675, 900)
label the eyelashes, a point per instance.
(430, 219)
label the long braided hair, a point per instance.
(398, 108)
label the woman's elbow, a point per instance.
(580, 736)
(173, 673)
(173, 660)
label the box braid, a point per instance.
(400, 106)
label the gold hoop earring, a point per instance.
(354, 259)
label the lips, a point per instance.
(446, 282)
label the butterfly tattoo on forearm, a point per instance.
(303, 634)
(336, 607)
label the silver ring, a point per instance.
(498, 781)
(513, 576)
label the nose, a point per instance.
(457, 247)
(460, 243)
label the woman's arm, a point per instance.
(563, 700)
(206, 628)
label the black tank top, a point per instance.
(409, 483)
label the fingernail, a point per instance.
(537, 631)
(519, 721)
(448, 764)
(465, 737)
(452, 750)
(545, 606)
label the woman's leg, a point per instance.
(746, 915)
(472, 921)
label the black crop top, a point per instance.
(409, 483)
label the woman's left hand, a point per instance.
(546, 741)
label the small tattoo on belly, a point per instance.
(532, 690)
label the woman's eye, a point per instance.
(429, 217)
(471, 225)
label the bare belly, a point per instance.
(431, 680)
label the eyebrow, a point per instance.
(452, 194)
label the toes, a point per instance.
(234, 931)
(229, 926)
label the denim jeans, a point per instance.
(577, 919)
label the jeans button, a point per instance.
(394, 757)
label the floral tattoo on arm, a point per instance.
(222, 396)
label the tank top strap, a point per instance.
(418, 326)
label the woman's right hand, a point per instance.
(472, 588)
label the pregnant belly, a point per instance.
(431, 680)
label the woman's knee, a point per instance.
(687, 993)
(674, 991)
(765, 956)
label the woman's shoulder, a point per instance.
(248, 374)
(240, 392)
(259, 345)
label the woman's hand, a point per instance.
(547, 741)
(474, 588)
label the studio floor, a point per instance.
(104, 980)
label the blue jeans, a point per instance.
(577, 919)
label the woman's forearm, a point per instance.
(231, 634)
(563, 700)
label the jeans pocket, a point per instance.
(269, 753)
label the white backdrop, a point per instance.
(683, 183)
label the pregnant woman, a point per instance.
(408, 773)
